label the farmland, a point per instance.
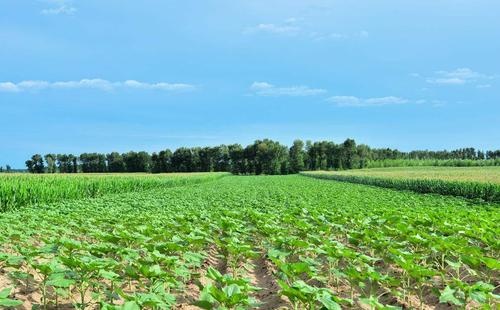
(471, 182)
(463, 174)
(238, 242)
(17, 190)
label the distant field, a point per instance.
(385, 163)
(469, 182)
(467, 174)
(18, 190)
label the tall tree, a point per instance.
(221, 158)
(269, 156)
(237, 159)
(182, 160)
(115, 162)
(349, 154)
(297, 156)
(137, 162)
(35, 164)
(51, 159)
(165, 158)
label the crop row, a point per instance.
(473, 190)
(433, 162)
(19, 190)
(253, 242)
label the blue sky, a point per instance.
(98, 75)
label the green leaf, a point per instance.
(61, 282)
(10, 303)
(478, 296)
(213, 273)
(447, 296)
(326, 300)
(204, 304)
(231, 290)
(109, 275)
(131, 305)
(5, 293)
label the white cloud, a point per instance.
(68, 10)
(99, 84)
(87, 83)
(458, 76)
(33, 84)
(352, 101)
(59, 7)
(364, 34)
(273, 28)
(319, 36)
(449, 81)
(161, 86)
(9, 87)
(293, 27)
(266, 89)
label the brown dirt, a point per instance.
(191, 292)
(262, 277)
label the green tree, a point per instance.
(115, 162)
(297, 156)
(35, 164)
(165, 158)
(236, 158)
(137, 162)
(349, 156)
(182, 160)
(269, 156)
(51, 159)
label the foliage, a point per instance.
(433, 162)
(18, 190)
(261, 157)
(5, 301)
(447, 182)
(331, 245)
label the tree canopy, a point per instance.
(261, 157)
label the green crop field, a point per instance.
(471, 182)
(464, 174)
(17, 190)
(241, 242)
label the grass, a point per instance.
(319, 244)
(470, 182)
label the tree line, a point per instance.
(262, 157)
(7, 169)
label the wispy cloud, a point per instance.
(159, 86)
(294, 27)
(352, 101)
(99, 84)
(433, 102)
(458, 76)
(267, 89)
(483, 86)
(287, 28)
(59, 7)
(68, 10)
(319, 36)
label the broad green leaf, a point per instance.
(447, 296)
